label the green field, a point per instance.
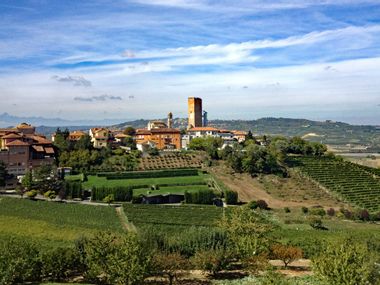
(54, 222)
(102, 181)
(170, 189)
(164, 215)
(348, 181)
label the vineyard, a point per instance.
(350, 182)
(170, 161)
(54, 221)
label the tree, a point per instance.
(27, 180)
(249, 136)
(213, 260)
(346, 262)
(114, 259)
(168, 264)
(83, 143)
(286, 253)
(247, 230)
(3, 173)
(129, 131)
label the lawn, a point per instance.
(54, 222)
(102, 181)
(170, 189)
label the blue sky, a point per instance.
(127, 59)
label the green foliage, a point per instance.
(316, 223)
(247, 230)
(305, 210)
(115, 259)
(168, 264)
(109, 199)
(205, 197)
(31, 194)
(27, 180)
(61, 141)
(19, 261)
(346, 262)
(118, 193)
(71, 190)
(317, 212)
(286, 210)
(83, 143)
(153, 151)
(259, 204)
(58, 264)
(50, 195)
(212, 260)
(231, 197)
(129, 131)
(3, 173)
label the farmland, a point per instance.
(102, 181)
(54, 222)
(170, 161)
(183, 215)
(350, 182)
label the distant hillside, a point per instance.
(329, 132)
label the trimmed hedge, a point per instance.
(72, 190)
(205, 197)
(120, 193)
(149, 174)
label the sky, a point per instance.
(247, 59)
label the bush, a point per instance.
(331, 212)
(212, 260)
(60, 263)
(31, 194)
(316, 223)
(286, 210)
(72, 190)
(168, 264)
(120, 193)
(305, 210)
(50, 195)
(149, 174)
(231, 197)
(346, 262)
(261, 204)
(286, 253)
(362, 215)
(318, 212)
(19, 261)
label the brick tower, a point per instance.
(195, 112)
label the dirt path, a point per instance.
(123, 219)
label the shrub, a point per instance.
(212, 260)
(120, 193)
(109, 199)
(330, 212)
(149, 174)
(345, 262)
(261, 204)
(31, 194)
(19, 261)
(305, 210)
(348, 214)
(205, 197)
(286, 210)
(362, 215)
(231, 197)
(286, 253)
(60, 263)
(318, 212)
(50, 195)
(316, 223)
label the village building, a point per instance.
(21, 149)
(100, 137)
(159, 135)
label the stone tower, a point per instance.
(170, 120)
(195, 112)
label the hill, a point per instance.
(363, 138)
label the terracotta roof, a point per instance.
(38, 148)
(49, 150)
(17, 143)
(204, 129)
(143, 132)
(165, 130)
(12, 136)
(77, 133)
(40, 139)
(121, 136)
(24, 126)
(239, 133)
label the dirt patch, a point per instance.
(277, 192)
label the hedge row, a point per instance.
(72, 190)
(120, 193)
(231, 197)
(200, 197)
(149, 174)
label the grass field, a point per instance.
(54, 222)
(170, 189)
(102, 181)
(183, 215)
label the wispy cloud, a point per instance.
(75, 80)
(100, 98)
